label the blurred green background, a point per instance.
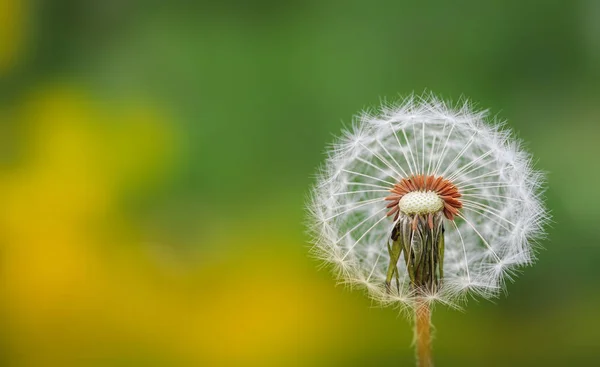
(155, 157)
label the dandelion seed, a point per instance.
(424, 203)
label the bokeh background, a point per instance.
(155, 158)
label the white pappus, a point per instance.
(422, 201)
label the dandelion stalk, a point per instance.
(422, 203)
(423, 335)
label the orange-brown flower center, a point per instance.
(428, 187)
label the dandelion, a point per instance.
(421, 203)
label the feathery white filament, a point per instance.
(494, 232)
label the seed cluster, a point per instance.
(444, 189)
(419, 202)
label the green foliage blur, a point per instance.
(155, 158)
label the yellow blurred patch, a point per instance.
(80, 286)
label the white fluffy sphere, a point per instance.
(501, 218)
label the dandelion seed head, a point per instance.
(414, 159)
